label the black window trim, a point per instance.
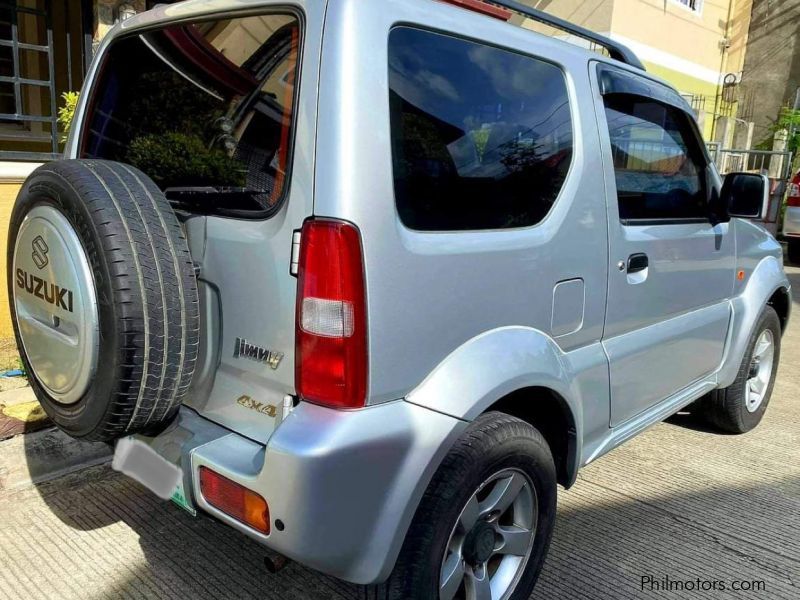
(277, 9)
(498, 46)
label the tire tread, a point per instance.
(151, 283)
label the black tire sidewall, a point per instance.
(767, 320)
(515, 445)
(83, 417)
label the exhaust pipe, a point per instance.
(275, 562)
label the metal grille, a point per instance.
(39, 17)
(778, 165)
(696, 101)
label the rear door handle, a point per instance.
(637, 262)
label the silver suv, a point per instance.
(367, 280)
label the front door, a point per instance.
(671, 270)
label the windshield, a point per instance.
(205, 109)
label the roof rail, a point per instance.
(616, 50)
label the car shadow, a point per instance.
(608, 537)
(690, 418)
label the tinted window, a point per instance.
(481, 137)
(205, 109)
(657, 160)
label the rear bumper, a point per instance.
(344, 484)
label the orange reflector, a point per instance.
(235, 500)
(740, 276)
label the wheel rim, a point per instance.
(491, 542)
(55, 304)
(760, 371)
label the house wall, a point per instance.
(772, 66)
(34, 66)
(678, 44)
(12, 175)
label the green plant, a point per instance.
(481, 139)
(789, 121)
(67, 112)
(164, 101)
(177, 159)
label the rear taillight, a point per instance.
(331, 322)
(235, 500)
(793, 195)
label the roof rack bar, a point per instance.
(617, 51)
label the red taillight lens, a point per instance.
(235, 500)
(793, 195)
(331, 324)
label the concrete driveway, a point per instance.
(689, 509)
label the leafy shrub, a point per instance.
(164, 101)
(177, 159)
(67, 112)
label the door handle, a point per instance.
(637, 262)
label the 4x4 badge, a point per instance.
(265, 409)
(244, 349)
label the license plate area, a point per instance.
(141, 463)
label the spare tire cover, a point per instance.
(104, 298)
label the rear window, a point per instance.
(481, 137)
(205, 109)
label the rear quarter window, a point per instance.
(481, 137)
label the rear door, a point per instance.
(671, 270)
(248, 293)
(216, 111)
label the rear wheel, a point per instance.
(484, 525)
(741, 406)
(104, 299)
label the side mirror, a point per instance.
(746, 195)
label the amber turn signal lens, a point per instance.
(235, 500)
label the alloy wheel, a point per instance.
(492, 540)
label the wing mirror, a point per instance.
(745, 195)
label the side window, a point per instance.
(658, 162)
(481, 137)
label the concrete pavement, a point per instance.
(678, 502)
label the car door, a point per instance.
(671, 271)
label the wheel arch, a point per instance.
(547, 411)
(781, 301)
(767, 285)
(522, 372)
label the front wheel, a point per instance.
(483, 527)
(741, 406)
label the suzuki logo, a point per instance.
(51, 293)
(244, 349)
(40, 251)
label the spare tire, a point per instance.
(103, 298)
